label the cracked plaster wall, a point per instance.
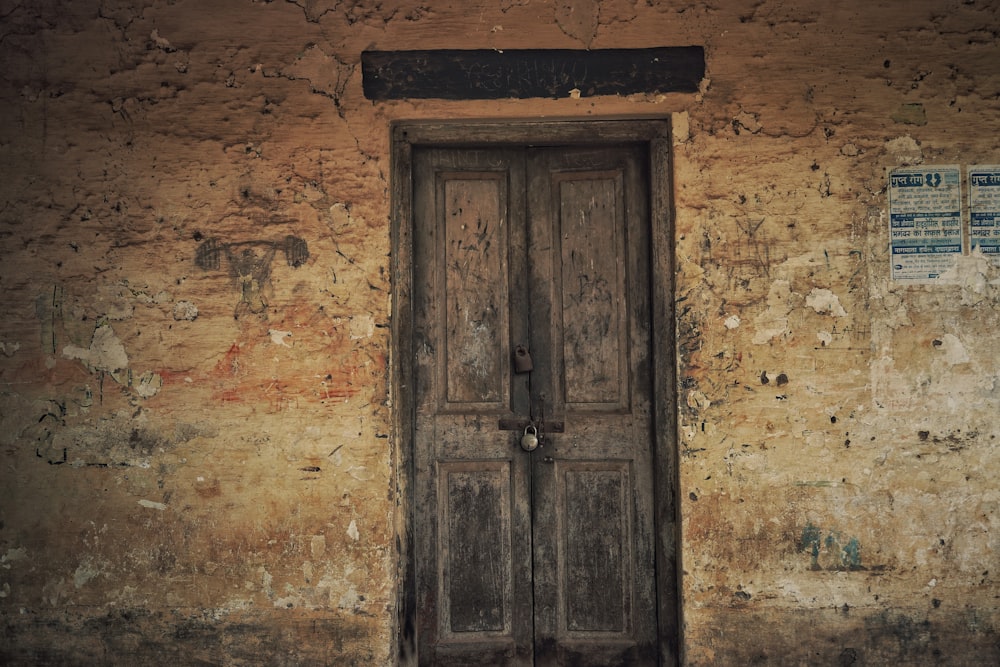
(197, 464)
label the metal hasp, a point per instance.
(521, 424)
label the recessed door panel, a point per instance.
(593, 322)
(596, 530)
(474, 538)
(474, 290)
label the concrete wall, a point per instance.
(196, 459)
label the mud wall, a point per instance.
(196, 451)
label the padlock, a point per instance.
(522, 360)
(529, 441)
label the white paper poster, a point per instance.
(925, 221)
(984, 210)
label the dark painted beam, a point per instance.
(488, 74)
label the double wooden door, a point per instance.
(543, 557)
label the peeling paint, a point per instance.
(106, 351)
(681, 126)
(953, 350)
(910, 113)
(773, 322)
(824, 301)
(747, 121)
(362, 327)
(317, 546)
(84, 573)
(279, 337)
(148, 384)
(153, 505)
(904, 150)
(185, 310)
(12, 556)
(978, 278)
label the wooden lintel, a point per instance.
(525, 73)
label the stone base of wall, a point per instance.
(143, 637)
(843, 636)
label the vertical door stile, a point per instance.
(520, 333)
(540, 273)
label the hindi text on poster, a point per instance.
(925, 222)
(984, 210)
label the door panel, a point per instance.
(593, 325)
(544, 557)
(592, 510)
(474, 541)
(474, 289)
(473, 563)
(595, 528)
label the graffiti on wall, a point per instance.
(833, 552)
(250, 266)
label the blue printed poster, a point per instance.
(984, 210)
(925, 222)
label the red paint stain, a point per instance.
(321, 366)
(172, 377)
(229, 396)
(230, 362)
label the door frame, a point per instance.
(655, 134)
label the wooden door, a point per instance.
(543, 557)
